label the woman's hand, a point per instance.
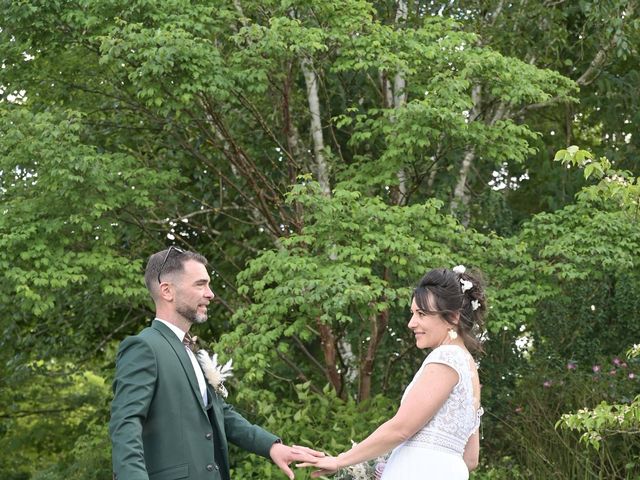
(325, 466)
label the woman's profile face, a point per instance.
(430, 329)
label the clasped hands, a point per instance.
(282, 455)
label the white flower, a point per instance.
(358, 471)
(466, 285)
(475, 304)
(459, 269)
(214, 373)
(368, 470)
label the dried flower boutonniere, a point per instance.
(215, 373)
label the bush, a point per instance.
(317, 420)
(526, 428)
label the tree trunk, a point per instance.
(328, 344)
(378, 329)
(460, 194)
(399, 101)
(320, 167)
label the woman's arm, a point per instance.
(422, 402)
(471, 453)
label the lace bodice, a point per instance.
(452, 425)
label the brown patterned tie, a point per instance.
(190, 342)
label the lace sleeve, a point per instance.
(449, 355)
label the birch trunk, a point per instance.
(460, 193)
(399, 101)
(320, 167)
(395, 98)
(331, 346)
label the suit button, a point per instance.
(209, 436)
(210, 467)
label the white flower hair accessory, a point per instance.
(459, 269)
(465, 285)
(475, 304)
(214, 373)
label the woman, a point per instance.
(434, 433)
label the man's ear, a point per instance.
(165, 292)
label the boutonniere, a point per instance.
(215, 373)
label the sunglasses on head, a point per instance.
(166, 256)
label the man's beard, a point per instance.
(191, 314)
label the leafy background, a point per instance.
(323, 156)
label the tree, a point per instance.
(127, 126)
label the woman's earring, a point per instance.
(452, 334)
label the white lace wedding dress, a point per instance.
(435, 451)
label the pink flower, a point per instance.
(547, 383)
(616, 361)
(632, 376)
(519, 410)
(612, 372)
(379, 469)
(571, 366)
(595, 368)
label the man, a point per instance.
(166, 421)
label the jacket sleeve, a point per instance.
(133, 389)
(246, 435)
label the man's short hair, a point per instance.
(168, 261)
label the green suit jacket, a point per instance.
(160, 429)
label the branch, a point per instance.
(595, 67)
(300, 373)
(308, 354)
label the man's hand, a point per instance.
(282, 455)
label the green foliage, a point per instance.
(619, 187)
(354, 260)
(67, 229)
(53, 423)
(352, 265)
(608, 418)
(526, 426)
(506, 468)
(301, 417)
(89, 459)
(439, 121)
(125, 125)
(590, 268)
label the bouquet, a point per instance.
(371, 470)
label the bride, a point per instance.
(434, 434)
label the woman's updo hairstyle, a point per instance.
(446, 292)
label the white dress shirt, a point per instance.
(194, 361)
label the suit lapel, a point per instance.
(179, 349)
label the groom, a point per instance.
(166, 421)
